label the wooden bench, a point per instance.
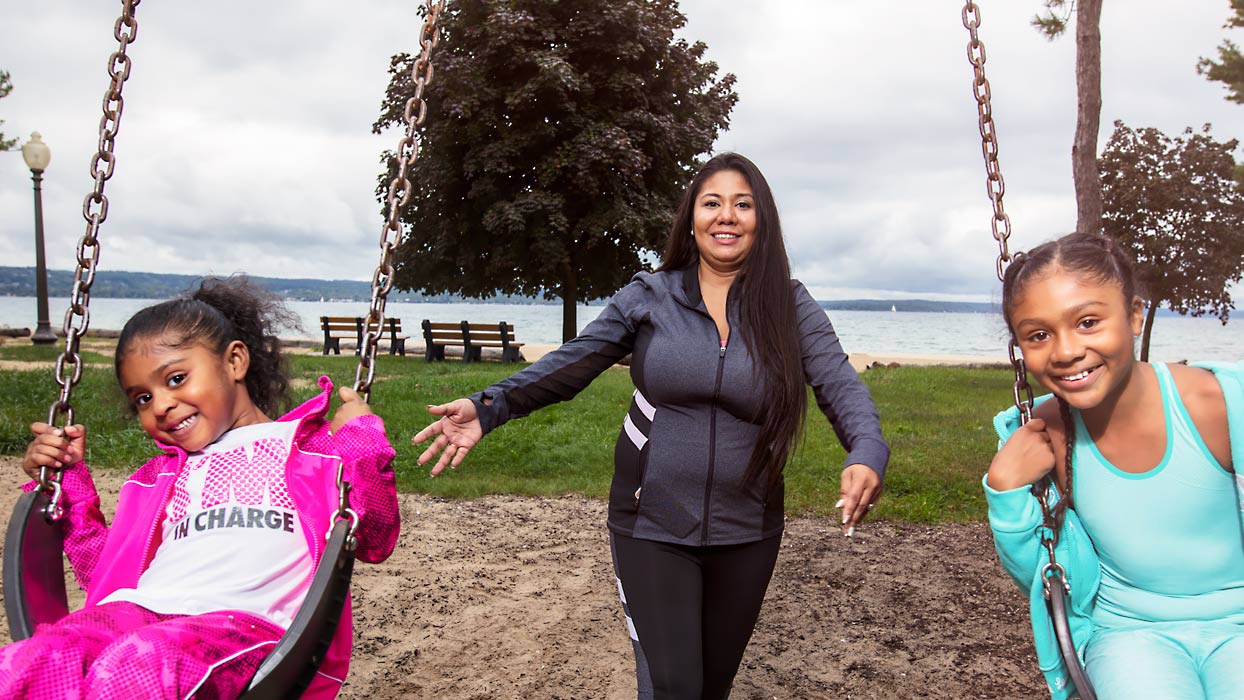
(337, 327)
(397, 343)
(473, 337)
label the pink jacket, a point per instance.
(105, 559)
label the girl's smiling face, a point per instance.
(1077, 335)
(187, 394)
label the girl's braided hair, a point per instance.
(1100, 259)
(215, 313)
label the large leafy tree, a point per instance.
(1053, 23)
(1229, 68)
(559, 136)
(6, 86)
(1175, 205)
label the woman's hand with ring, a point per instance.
(859, 490)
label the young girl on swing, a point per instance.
(214, 542)
(1142, 458)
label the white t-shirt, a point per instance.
(231, 536)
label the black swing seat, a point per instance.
(34, 567)
(34, 594)
(291, 666)
(1056, 604)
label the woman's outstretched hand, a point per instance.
(859, 490)
(456, 433)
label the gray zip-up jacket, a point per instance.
(686, 440)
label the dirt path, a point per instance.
(515, 598)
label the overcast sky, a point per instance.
(245, 145)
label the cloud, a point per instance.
(245, 143)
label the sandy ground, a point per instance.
(515, 598)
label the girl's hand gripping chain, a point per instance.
(1025, 458)
(456, 433)
(54, 448)
(352, 406)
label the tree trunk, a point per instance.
(1148, 331)
(570, 300)
(1088, 117)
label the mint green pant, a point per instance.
(1168, 661)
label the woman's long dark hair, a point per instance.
(766, 308)
(214, 314)
(1097, 258)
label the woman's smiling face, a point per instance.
(724, 221)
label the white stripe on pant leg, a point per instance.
(632, 432)
(630, 625)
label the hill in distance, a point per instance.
(20, 282)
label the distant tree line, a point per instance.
(119, 284)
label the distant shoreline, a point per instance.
(120, 284)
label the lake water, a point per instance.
(875, 332)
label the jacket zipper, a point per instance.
(712, 445)
(148, 555)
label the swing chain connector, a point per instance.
(1047, 533)
(344, 511)
(996, 186)
(95, 211)
(416, 111)
(49, 483)
(1058, 571)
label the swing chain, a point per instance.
(1048, 534)
(94, 209)
(996, 186)
(415, 113)
(1022, 390)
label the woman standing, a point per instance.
(723, 343)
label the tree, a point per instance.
(1088, 90)
(1175, 205)
(560, 134)
(6, 86)
(1229, 68)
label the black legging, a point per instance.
(691, 611)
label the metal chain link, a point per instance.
(94, 209)
(1001, 226)
(415, 112)
(996, 186)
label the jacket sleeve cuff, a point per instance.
(361, 436)
(1013, 510)
(873, 454)
(492, 414)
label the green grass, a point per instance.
(937, 420)
(29, 352)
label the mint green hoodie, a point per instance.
(1015, 517)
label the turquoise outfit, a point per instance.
(1157, 571)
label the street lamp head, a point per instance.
(36, 153)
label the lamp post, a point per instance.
(37, 156)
